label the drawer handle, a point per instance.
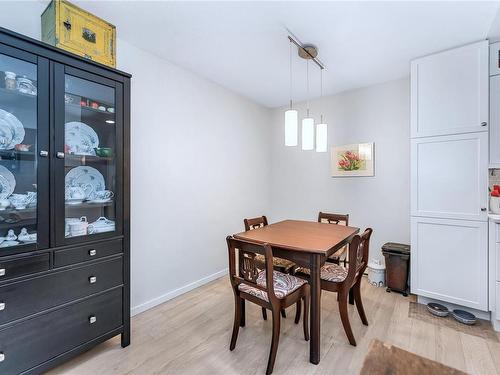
(484, 123)
(483, 209)
(2, 271)
(2, 306)
(92, 279)
(2, 357)
(93, 252)
(92, 319)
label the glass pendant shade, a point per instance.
(308, 133)
(291, 127)
(321, 137)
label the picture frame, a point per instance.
(353, 160)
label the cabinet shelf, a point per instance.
(89, 205)
(70, 107)
(15, 95)
(16, 155)
(73, 160)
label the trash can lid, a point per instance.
(395, 247)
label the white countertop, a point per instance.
(494, 217)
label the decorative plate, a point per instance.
(7, 182)
(5, 134)
(88, 178)
(437, 309)
(464, 317)
(15, 126)
(80, 139)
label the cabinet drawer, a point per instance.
(32, 342)
(27, 297)
(87, 252)
(23, 266)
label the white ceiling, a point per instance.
(243, 46)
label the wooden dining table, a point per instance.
(307, 244)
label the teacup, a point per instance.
(74, 192)
(19, 201)
(103, 194)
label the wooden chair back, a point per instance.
(359, 249)
(339, 219)
(254, 223)
(246, 271)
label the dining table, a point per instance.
(307, 244)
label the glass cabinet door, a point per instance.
(92, 162)
(20, 147)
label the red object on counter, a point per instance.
(495, 193)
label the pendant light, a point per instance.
(291, 116)
(322, 127)
(307, 122)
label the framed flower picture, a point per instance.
(354, 160)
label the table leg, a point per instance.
(315, 282)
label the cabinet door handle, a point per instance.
(484, 123)
(92, 319)
(44, 153)
(60, 155)
(2, 357)
(92, 279)
(2, 306)
(483, 209)
(2, 271)
(93, 252)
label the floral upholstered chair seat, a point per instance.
(284, 284)
(283, 264)
(329, 272)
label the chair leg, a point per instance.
(344, 316)
(351, 297)
(274, 341)
(297, 312)
(242, 312)
(356, 289)
(237, 321)
(283, 313)
(306, 317)
(264, 313)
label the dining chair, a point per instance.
(338, 219)
(279, 264)
(339, 279)
(267, 288)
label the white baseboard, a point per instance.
(176, 292)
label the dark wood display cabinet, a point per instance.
(64, 205)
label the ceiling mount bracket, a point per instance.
(307, 51)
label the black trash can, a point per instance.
(397, 265)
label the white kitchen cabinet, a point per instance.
(494, 58)
(495, 121)
(450, 261)
(449, 91)
(449, 176)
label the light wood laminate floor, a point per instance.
(190, 335)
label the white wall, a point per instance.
(200, 163)
(301, 184)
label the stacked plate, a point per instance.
(11, 131)
(80, 139)
(7, 182)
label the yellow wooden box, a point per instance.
(66, 26)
